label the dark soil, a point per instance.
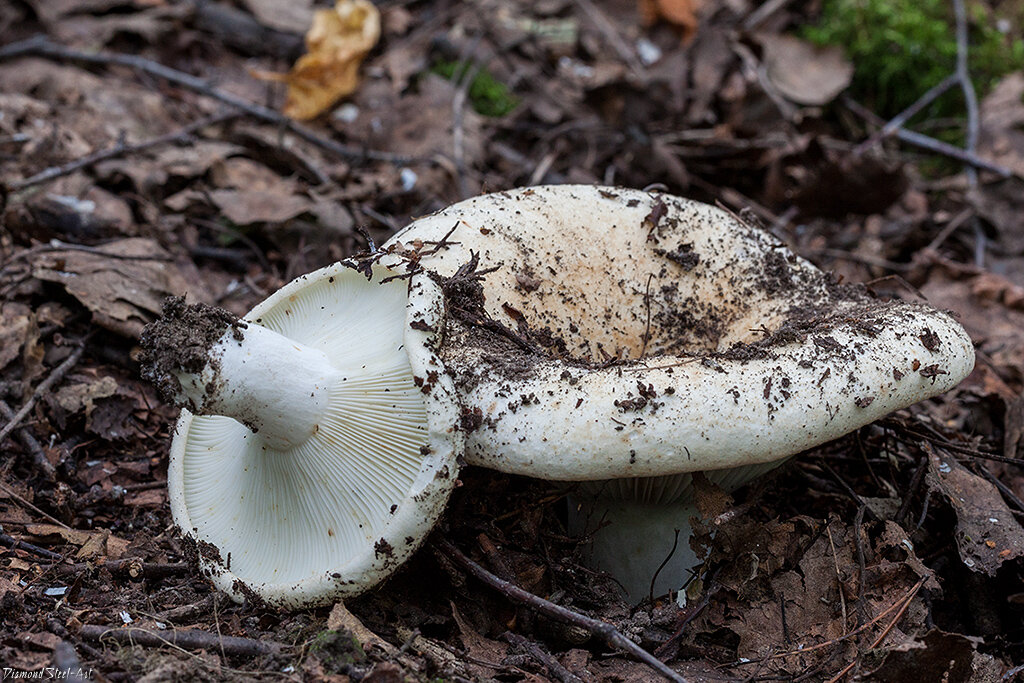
(892, 554)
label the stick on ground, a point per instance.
(187, 639)
(607, 632)
(119, 150)
(40, 46)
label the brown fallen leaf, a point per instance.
(15, 323)
(933, 656)
(981, 515)
(336, 45)
(803, 72)
(680, 13)
(246, 207)
(291, 16)
(76, 397)
(122, 282)
(1001, 124)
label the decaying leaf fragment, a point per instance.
(122, 282)
(336, 44)
(679, 13)
(987, 534)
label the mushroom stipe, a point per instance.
(582, 334)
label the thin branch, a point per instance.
(601, 629)
(971, 100)
(17, 544)
(30, 443)
(40, 46)
(930, 144)
(898, 121)
(885, 632)
(132, 567)
(188, 639)
(21, 501)
(608, 30)
(554, 667)
(54, 377)
(119, 150)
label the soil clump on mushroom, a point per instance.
(181, 339)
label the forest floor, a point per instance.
(141, 156)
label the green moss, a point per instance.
(901, 48)
(487, 95)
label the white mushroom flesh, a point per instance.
(350, 461)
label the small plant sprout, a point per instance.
(617, 338)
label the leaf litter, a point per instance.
(872, 557)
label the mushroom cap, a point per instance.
(649, 335)
(338, 513)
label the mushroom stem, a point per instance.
(644, 546)
(274, 385)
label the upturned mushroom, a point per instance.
(575, 333)
(310, 459)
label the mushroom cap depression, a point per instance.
(335, 513)
(649, 335)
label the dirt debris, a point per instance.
(876, 552)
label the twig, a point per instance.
(846, 488)
(119, 150)
(30, 443)
(900, 119)
(16, 544)
(42, 47)
(954, 223)
(930, 144)
(1012, 673)
(971, 99)
(608, 30)
(900, 604)
(967, 85)
(553, 665)
(133, 567)
(889, 627)
(604, 630)
(675, 544)
(858, 524)
(762, 13)
(188, 639)
(54, 377)
(14, 494)
(839, 586)
(692, 612)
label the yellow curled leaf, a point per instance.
(336, 45)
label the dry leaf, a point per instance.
(290, 16)
(805, 73)
(15, 324)
(679, 13)
(76, 397)
(122, 282)
(987, 533)
(52, 532)
(245, 207)
(1001, 134)
(336, 45)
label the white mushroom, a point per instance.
(655, 337)
(590, 334)
(314, 456)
